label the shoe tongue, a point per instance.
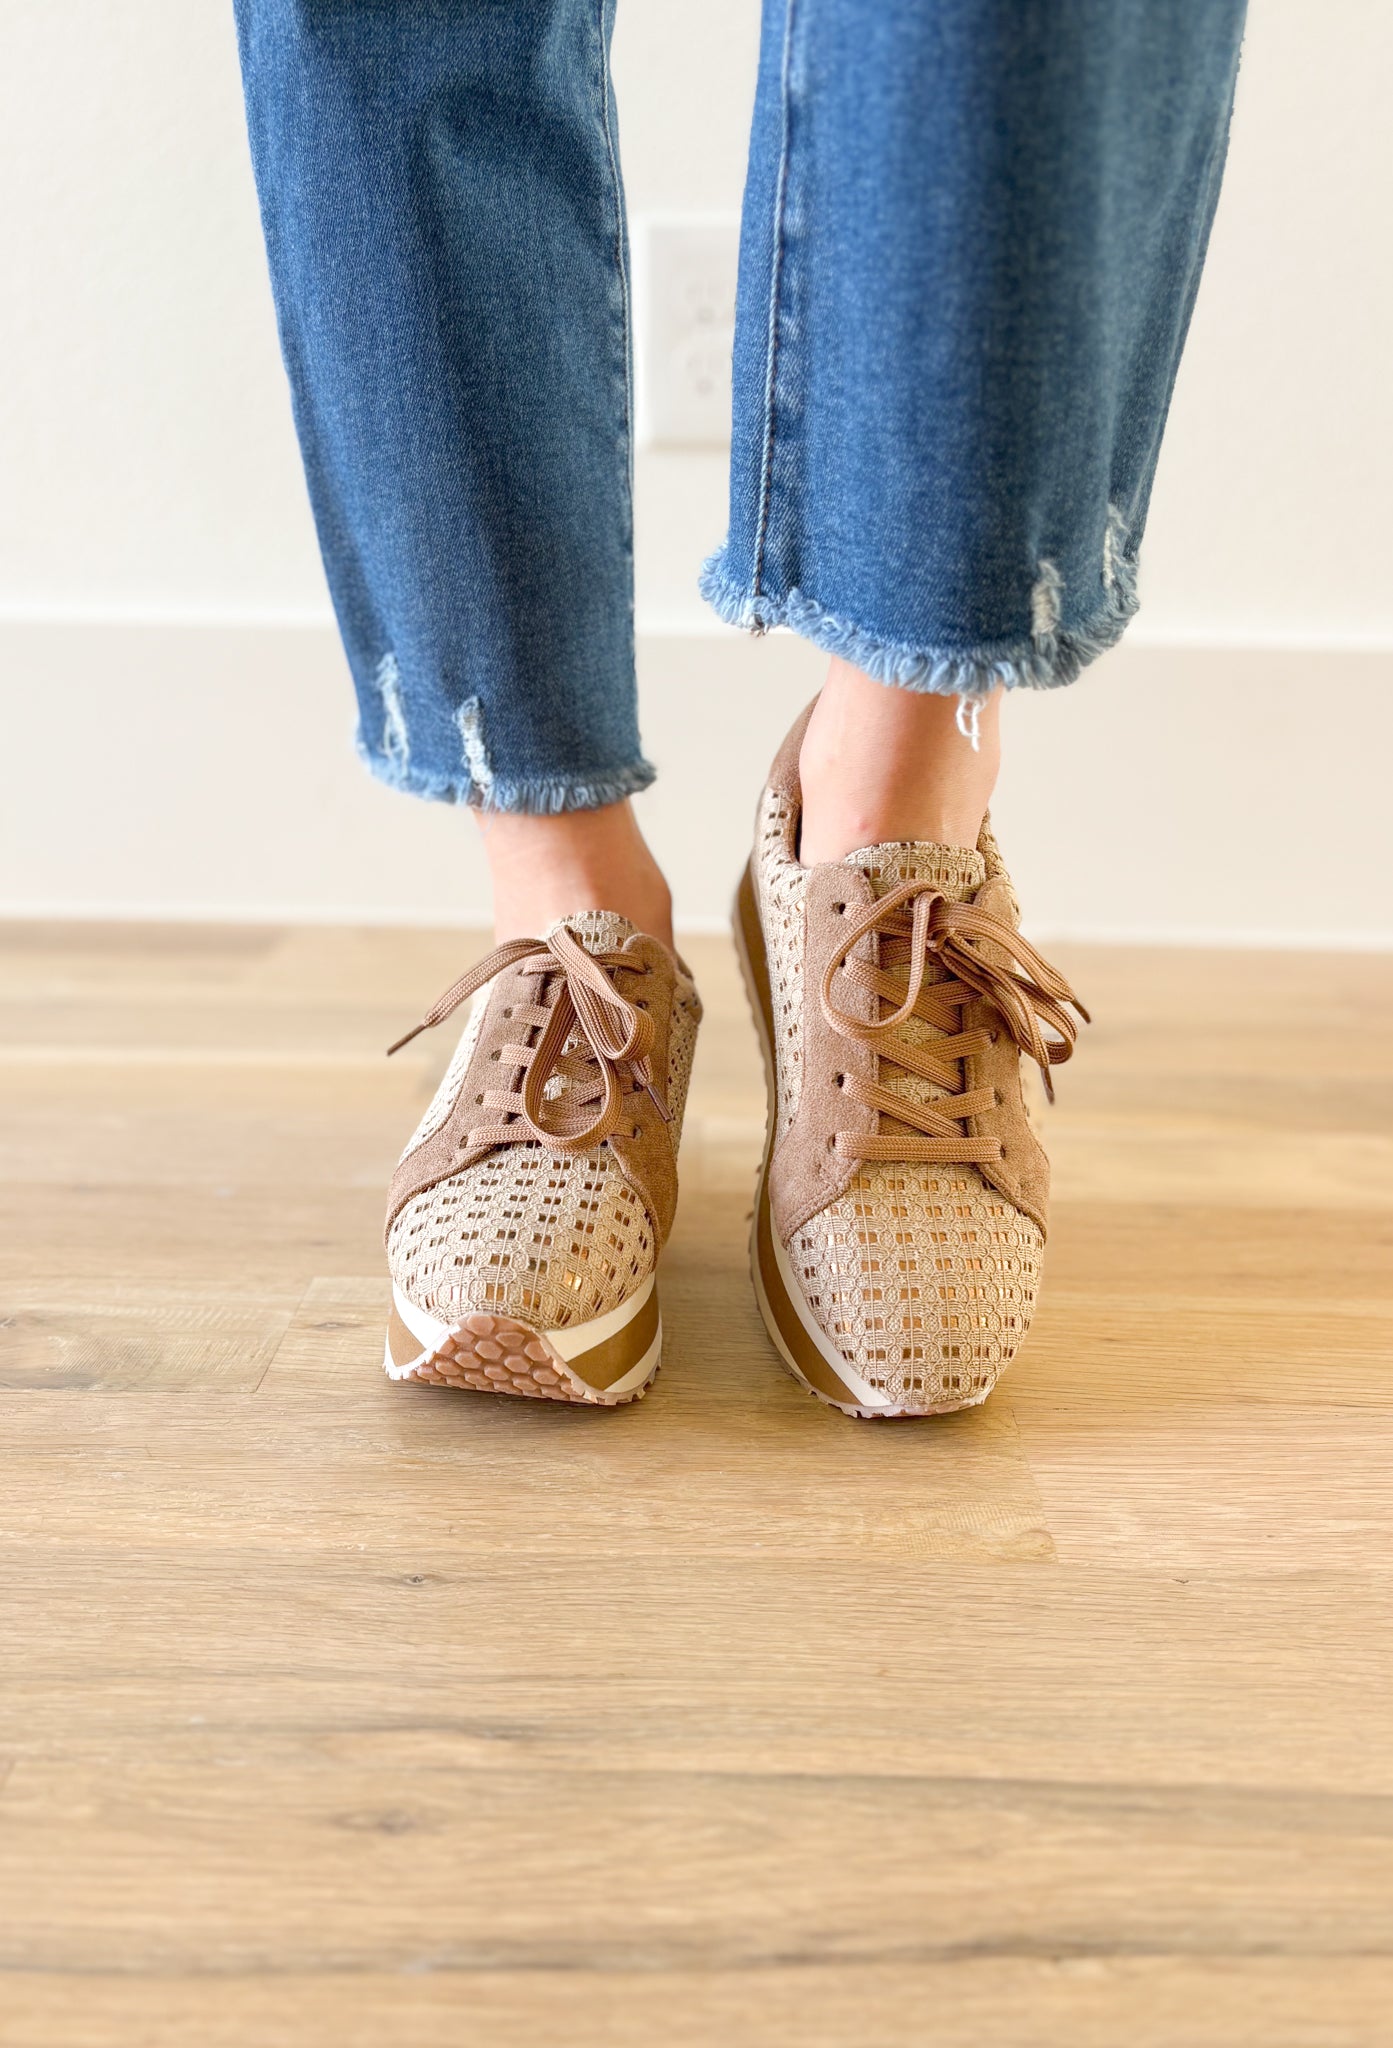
(599, 931)
(959, 871)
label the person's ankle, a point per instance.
(880, 763)
(544, 868)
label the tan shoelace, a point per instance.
(579, 998)
(914, 923)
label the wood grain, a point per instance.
(1081, 2001)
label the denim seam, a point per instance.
(1214, 172)
(1045, 661)
(617, 186)
(775, 287)
(537, 795)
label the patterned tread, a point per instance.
(491, 1354)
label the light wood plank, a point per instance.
(80, 1338)
(166, 1867)
(1140, 1350)
(1221, 1489)
(427, 1655)
(1079, 2001)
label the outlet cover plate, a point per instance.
(684, 303)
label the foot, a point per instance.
(878, 764)
(543, 869)
(901, 1212)
(528, 1211)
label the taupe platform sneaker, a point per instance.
(527, 1213)
(901, 1211)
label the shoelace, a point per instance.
(914, 923)
(579, 998)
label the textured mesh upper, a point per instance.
(780, 879)
(443, 1100)
(923, 1276)
(549, 1239)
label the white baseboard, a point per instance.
(1194, 794)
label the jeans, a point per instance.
(972, 235)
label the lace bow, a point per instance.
(581, 1000)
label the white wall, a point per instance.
(165, 675)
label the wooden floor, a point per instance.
(335, 1712)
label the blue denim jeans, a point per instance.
(972, 235)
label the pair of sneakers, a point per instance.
(900, 1218)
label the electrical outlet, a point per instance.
(684, 295)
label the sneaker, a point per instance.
(527, 1213)
(900, 1218)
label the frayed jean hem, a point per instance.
(1047, 660)
(534, 796)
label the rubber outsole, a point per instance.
(495, 1354)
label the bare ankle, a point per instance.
(881, 763)
(544, 868)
